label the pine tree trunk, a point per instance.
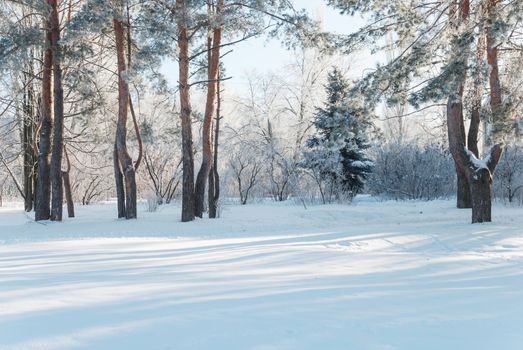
(58, 125)
(210, 195)
(68, 194)
(214, 180)
(464, 200)
(125, 161)
(480, 185)
(27, 142)
(185, 114)
(120, 192)
(213, 59)
(43, 183)
(67, 186)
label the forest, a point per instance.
(90, 111)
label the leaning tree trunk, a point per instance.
(213, 59)
(68, 194)
(58, 125)
(67, 186)
(43, 183)
(124, 159)
(185, 114)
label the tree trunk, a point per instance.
(479, 177)
(67, 186)
(214, 180)
(28, 140)
(125, 161)
(213, 59)
(185, 114)
(58, 125)
(492, 59)
(464, 200)
(211, 194)
(480, 186)
(68, 194)
(43, 183)
(120, 192)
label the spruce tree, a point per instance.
(336, 153)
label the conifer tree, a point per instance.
(336, 153)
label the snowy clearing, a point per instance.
(374, 275)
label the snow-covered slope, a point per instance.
(374, 275)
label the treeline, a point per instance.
(87, 113)
(59, 50)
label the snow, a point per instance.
(362, 164)
(373, 275)
(478, 163)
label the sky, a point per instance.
(262, 55)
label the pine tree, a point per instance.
(336, 154)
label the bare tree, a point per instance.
(246, 169)
(509, 175)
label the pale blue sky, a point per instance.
(261, 55)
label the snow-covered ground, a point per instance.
(374, 275)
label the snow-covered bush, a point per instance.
(153, 202)
(508, 178)
(411, 171)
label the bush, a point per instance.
(508, 177)
(411, 171)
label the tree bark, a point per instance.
(185, 114)
(28, 139)
(68, 194)
(481, 196)
(213, 59)
(211, 194)
(464, 199)
(125, 161)
(120, 192)
(131, 106)
(472, 138)
(477, 95)
(67, 186)
(58, 125)
(492, 59)
(43, 183)
(214, 176)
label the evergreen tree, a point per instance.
(336, 154)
